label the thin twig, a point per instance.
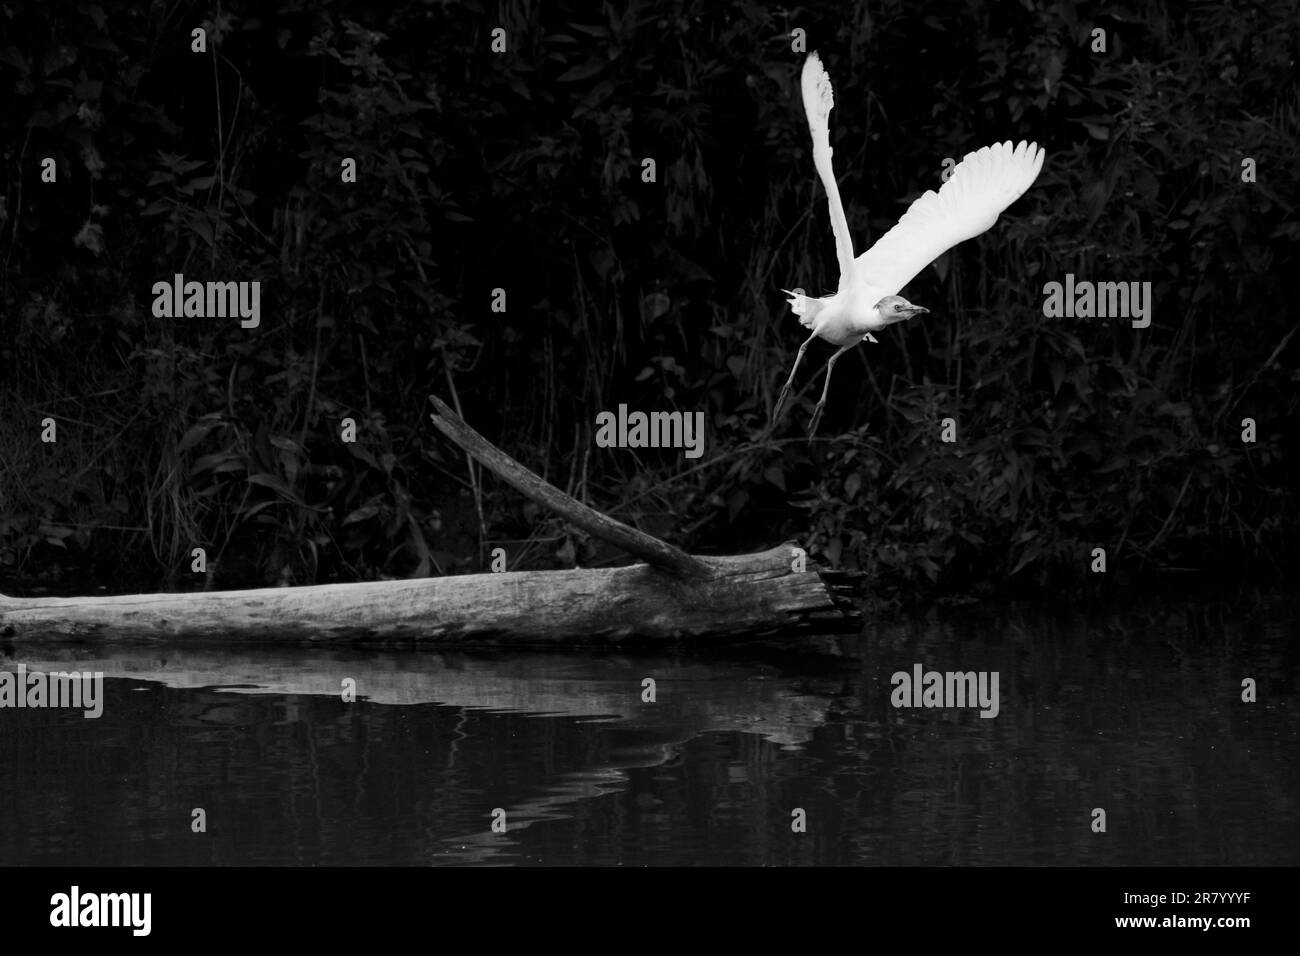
(473, 474)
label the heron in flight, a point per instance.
(982, 185)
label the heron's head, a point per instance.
(894, 308)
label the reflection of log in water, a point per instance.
(693, 698)
(552, 804)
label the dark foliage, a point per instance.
(523, 171)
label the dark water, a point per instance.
(1137, 713)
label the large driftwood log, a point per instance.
(747, 595)
(675, 595)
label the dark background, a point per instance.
(522, 171)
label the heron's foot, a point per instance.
(817, 417)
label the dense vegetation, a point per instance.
(523, 171)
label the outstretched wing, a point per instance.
(983, 184)
(818, 101)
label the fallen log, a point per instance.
(673, 595)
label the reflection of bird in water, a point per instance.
(981, 186)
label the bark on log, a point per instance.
(748, 595)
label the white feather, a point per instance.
(982, 185)
(818, 101)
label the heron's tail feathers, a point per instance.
(804, 307)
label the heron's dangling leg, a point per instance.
(817, 412)
(780, 401)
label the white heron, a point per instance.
(982, 185)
